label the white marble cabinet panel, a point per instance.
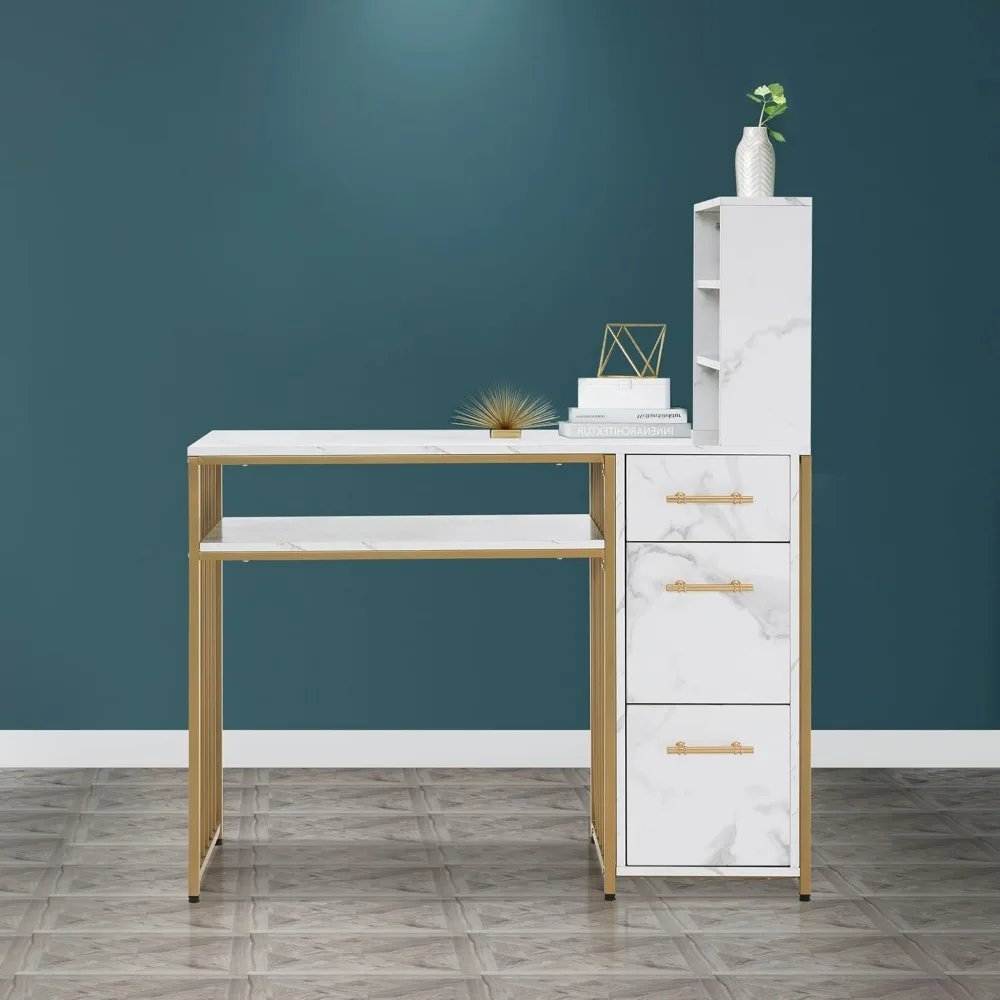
(707, 810)
(650, 479)
(705, 647)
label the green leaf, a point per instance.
(776, 136)
(779, 98)
(757, 99)
(763, 90)
(770, 109)
(776, 89)
(776, 109)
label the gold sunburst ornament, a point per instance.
(505, 411)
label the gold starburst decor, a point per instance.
(619, 337)
(505, 411)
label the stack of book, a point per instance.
(622, 407)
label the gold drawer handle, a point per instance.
(733, 587)
(731, 498)
(735, 747)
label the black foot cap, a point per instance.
(592, 839)
(609, 897)
(805, 897)
(219, 841)
(193, 899)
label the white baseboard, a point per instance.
(453, 748)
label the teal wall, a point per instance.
(347, 213)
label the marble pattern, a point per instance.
(649, 479)
(444, 902)
(311, 443)
(411, 533)
(707, 647)
(714, 810)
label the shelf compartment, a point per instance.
(712, 363)
(463, 536)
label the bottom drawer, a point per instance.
(707, 809)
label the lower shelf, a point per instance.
(437, 536)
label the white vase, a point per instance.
(755, 164)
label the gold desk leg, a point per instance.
(204, 675)
(609, 721)
(805, 677)
(595, 658)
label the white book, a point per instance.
(627, 414)
(575, 429)
(613, 392)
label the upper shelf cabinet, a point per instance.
(752, 321)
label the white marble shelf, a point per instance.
(346, 445)
(543, 533)
(712, 363)
(714, 204)
(708, 284)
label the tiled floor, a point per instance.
(448, 884)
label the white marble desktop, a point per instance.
(447, 441)
(436, 533)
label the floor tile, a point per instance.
(364, 853)
(542, 880)
(854, 777)
(572, 853)
(818, 953)
(365, 988)
(41, 799)
(980, 796)
(144, 776)
(29, 850)
(806, 987)
(173, 914)
(485, 798)
(130, 827)
(350, 880)
(336, 798)
(21, 822)
(878, 826)
(615, 987)
(335, 776)
(124, 953)
(45, 777)
(348, 826)
(981, 987)
(400, 954)
(978, 821)
(579, 954)
(861, 798)
(98, 987)
(26, 880)
(773, 915)
(506, 776)
(953, 777)
(962, 952)
(556, 913)
(923, 880)
(941, 913)
(743, 888)
(18, 916)
(905, 849)
(282, 915)
(514, 828)
(135, 880)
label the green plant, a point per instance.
(771, 97)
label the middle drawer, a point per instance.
(708, 638)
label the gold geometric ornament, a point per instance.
(620, 337)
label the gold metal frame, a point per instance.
(205, 632)
(805, 677)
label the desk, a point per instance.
(764, 785)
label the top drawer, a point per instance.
(690, 498)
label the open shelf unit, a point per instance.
(751, 337)
(428, 536)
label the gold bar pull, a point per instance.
(735, 747)
(733, 587)
(731, 498)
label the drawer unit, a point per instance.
(709, 806)
(707, 622)
(707, 498)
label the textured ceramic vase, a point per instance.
(755, 164)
